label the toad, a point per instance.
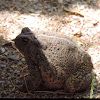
(54, 61)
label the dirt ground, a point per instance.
(78, 19)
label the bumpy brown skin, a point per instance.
(54, 61)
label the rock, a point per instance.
(23, 59)
(13, 57)
(3, 66)
(31, 10)
(3, 58)
(2, 82)
(16, 72)
(17, 82)
(60, 1)
(2, 50)
(98, 91)
(6, 53)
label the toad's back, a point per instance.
(64, 57)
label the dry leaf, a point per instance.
(79, 42)
(13, 88)
(78, 34)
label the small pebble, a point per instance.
(2, 82)
(18, 82)
(60, 1)
(98, 91)
(13, 57)
(3, 66)
(2, 50)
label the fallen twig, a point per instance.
(25, 80)
(52, 92)
(73, 12)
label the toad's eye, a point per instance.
(25, 41)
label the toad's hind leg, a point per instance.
(80, 80)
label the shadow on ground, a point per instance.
(29, 6)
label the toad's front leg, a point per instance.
(31, 81)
